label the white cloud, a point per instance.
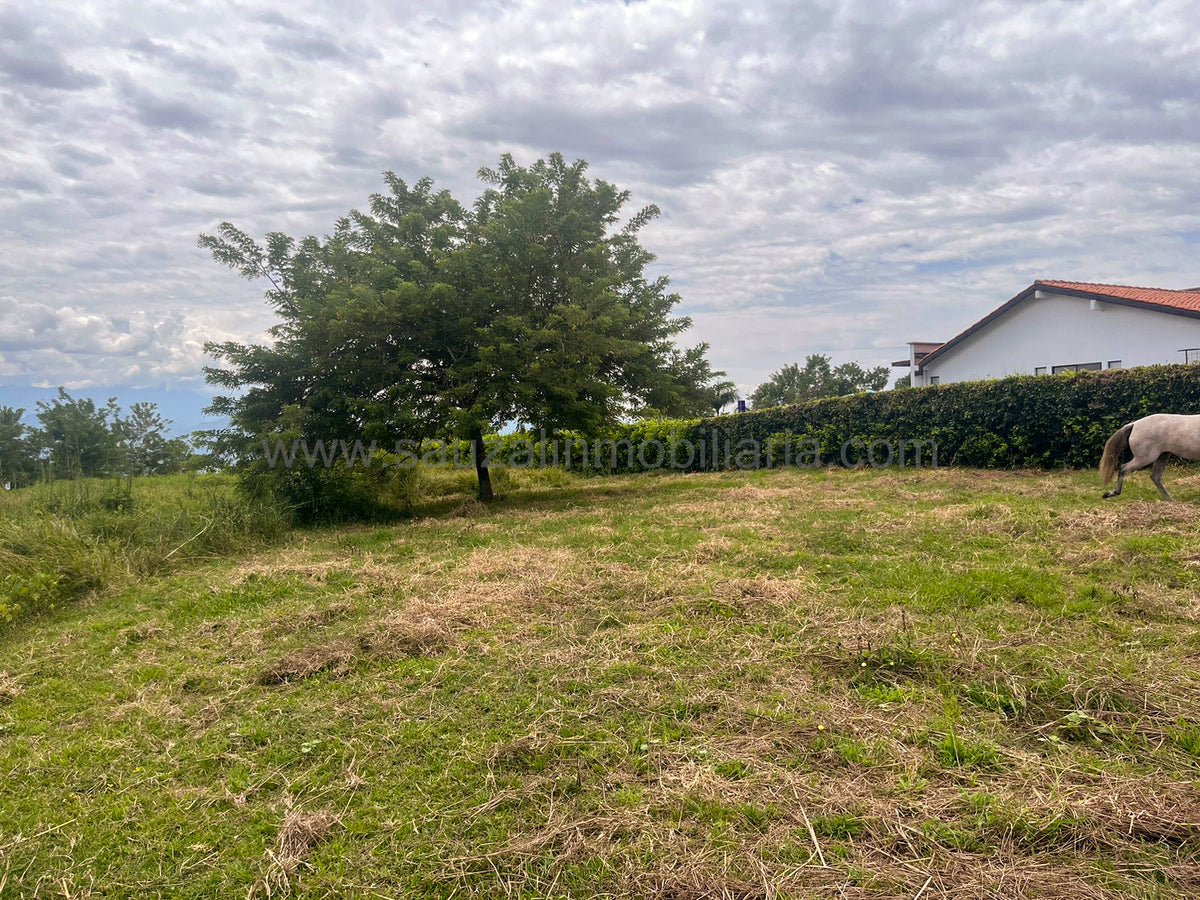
(45, 345)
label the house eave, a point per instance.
(1123, 301)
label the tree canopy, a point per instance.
(79, 436)
(145, 446)
(815, 379)
(423, 318)
(721, 394)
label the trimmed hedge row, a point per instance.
(1033, 421)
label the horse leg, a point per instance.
(1156, 476)
(1120, 481)
(1129, 468)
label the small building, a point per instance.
(1066, 326)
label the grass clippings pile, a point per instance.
(299, 836)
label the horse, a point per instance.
(1148, 439)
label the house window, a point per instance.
(1040, 370)
(1191, 354)
(1078, 367)
(935, 379)
(1114, 364)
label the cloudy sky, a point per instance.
(835, 177)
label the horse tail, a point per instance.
(1117, 444)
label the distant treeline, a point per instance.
(79, 438)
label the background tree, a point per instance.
(421, 318)
(143, 438)
(698, 384)
(721, 395)
(815, 379)
(78, 435)
(18, 453)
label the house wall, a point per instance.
(1055, 330)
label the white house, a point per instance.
(1064, 326)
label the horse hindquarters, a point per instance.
(1146, 443)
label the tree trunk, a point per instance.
(479, 454)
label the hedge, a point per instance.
(1030, 421)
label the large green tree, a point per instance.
(815, 379)
(424, 318)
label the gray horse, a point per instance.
(1148, 439)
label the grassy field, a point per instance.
(746, 685)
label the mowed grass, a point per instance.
(771, 684)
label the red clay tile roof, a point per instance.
(1157, 296)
